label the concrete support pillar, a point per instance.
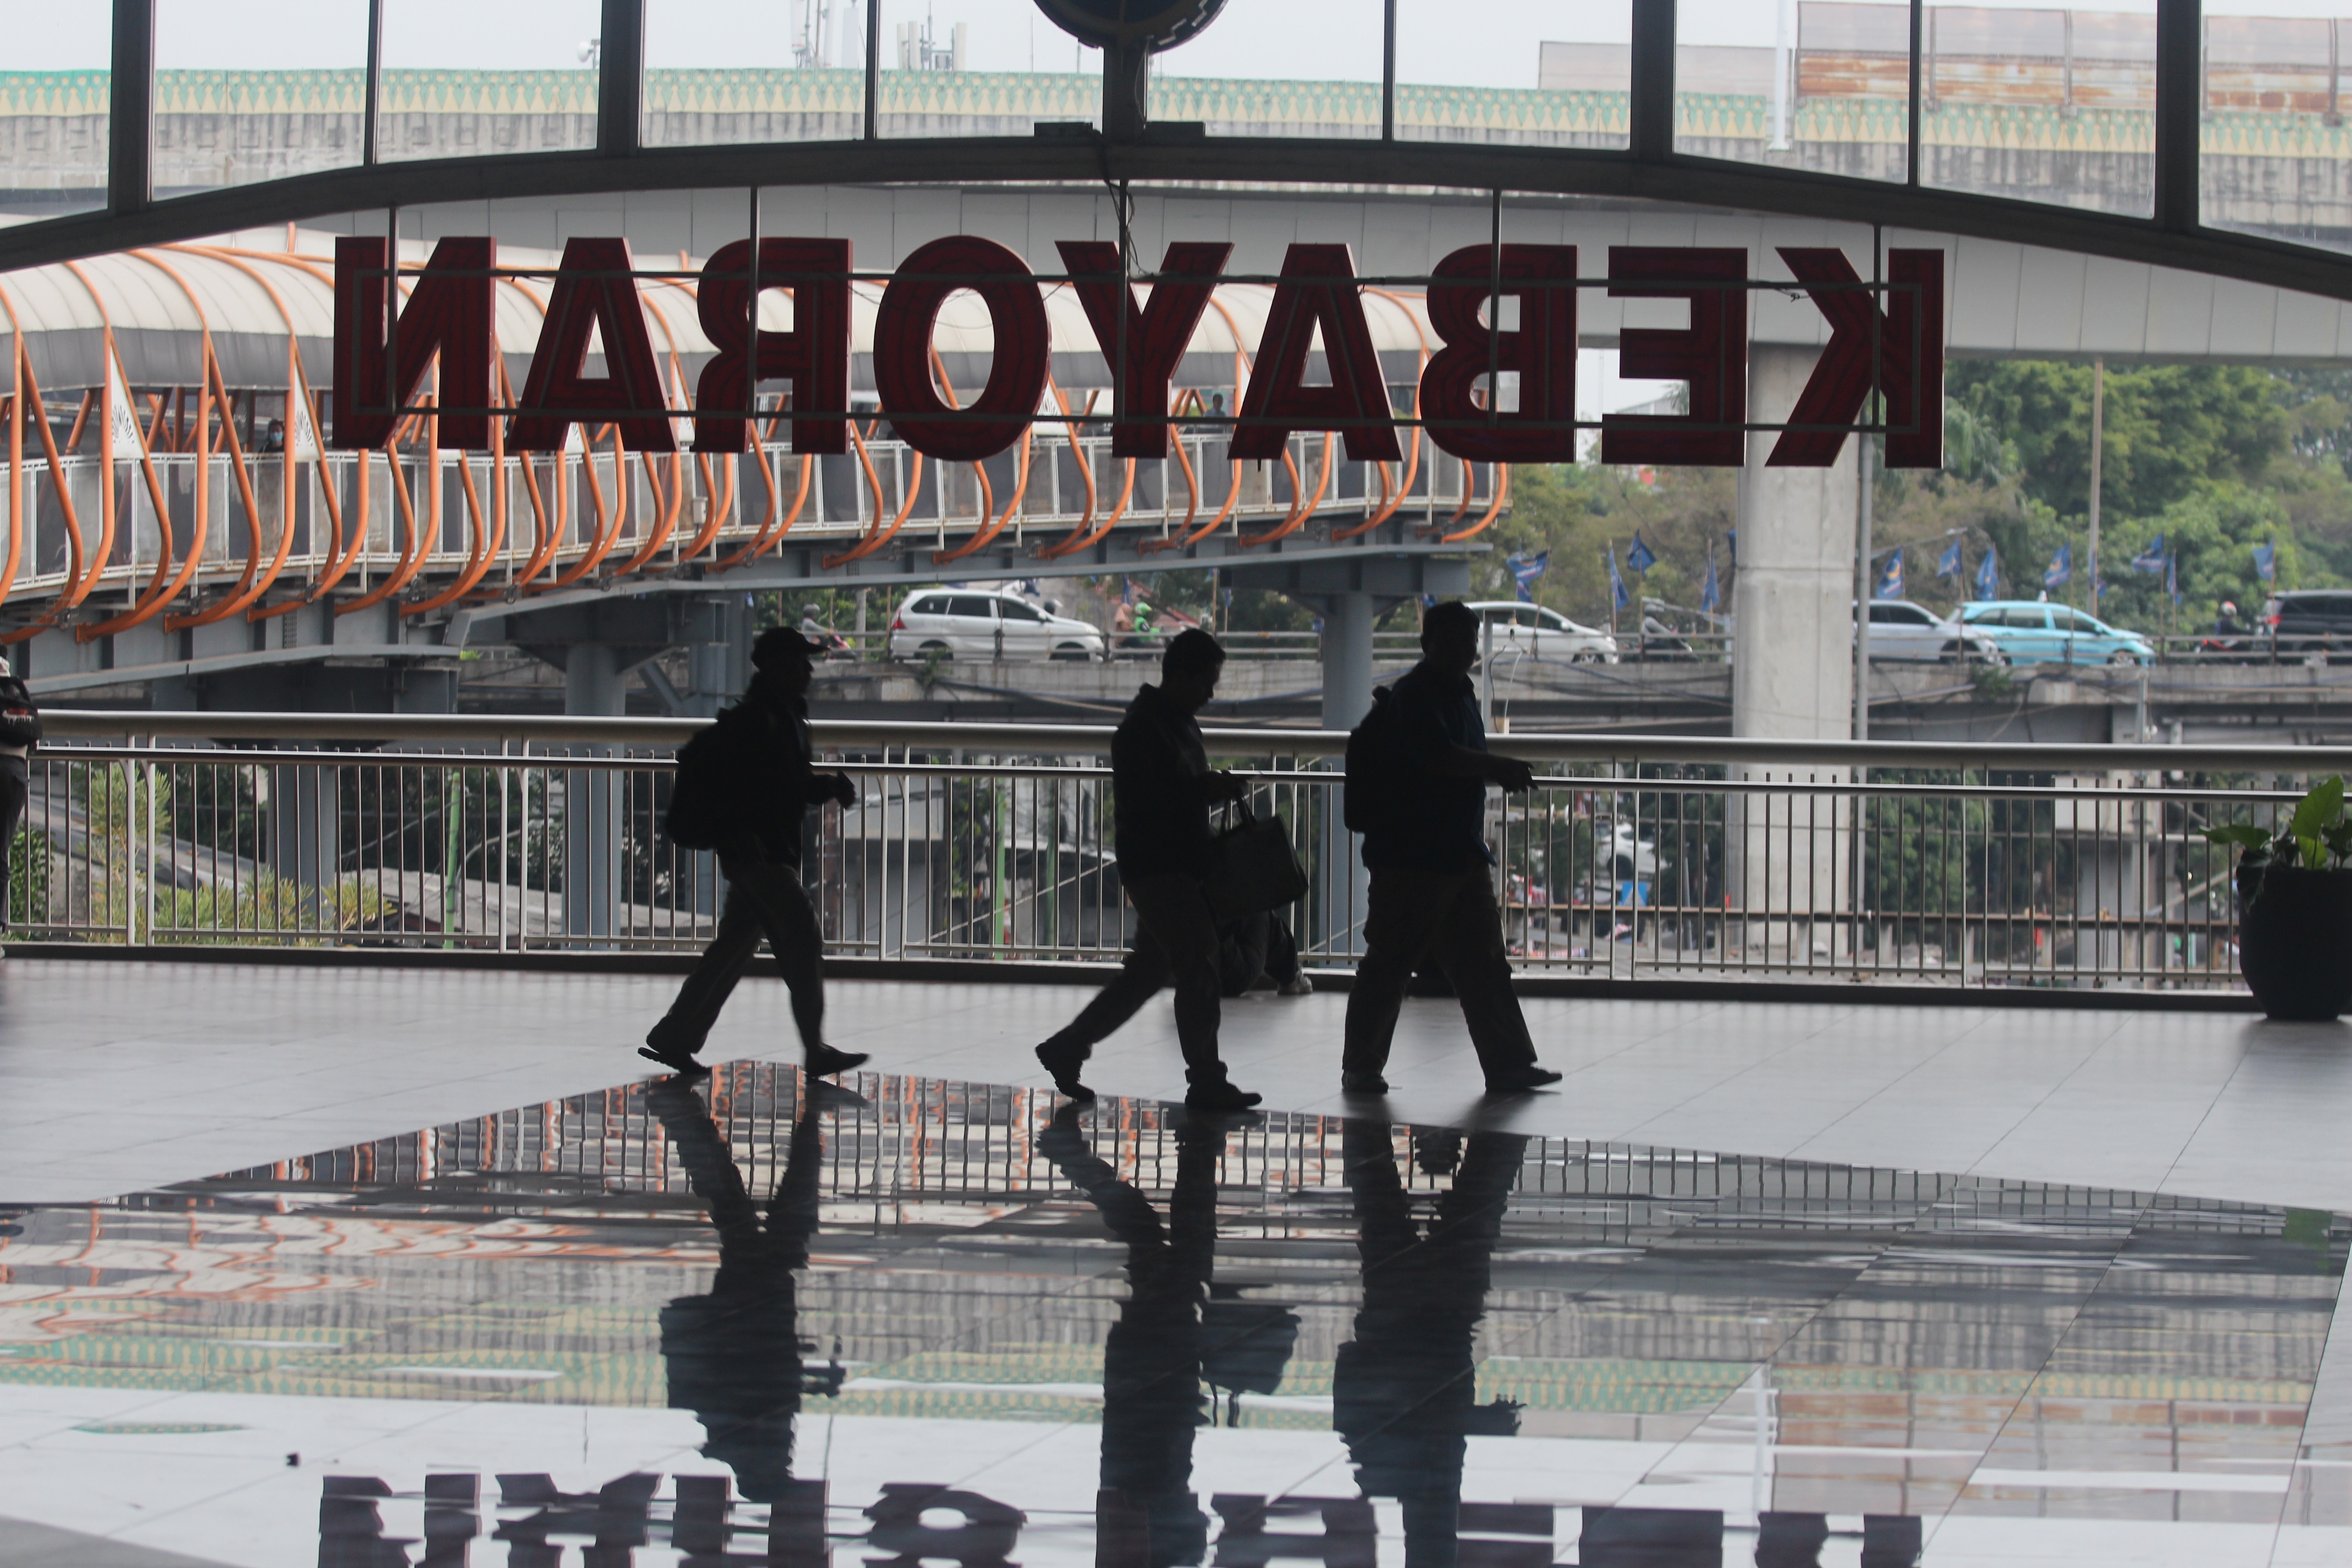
(1340, 894)
(1346, 654)
(302, 810)
(594, 685)
(1787, 857)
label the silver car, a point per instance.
(1532, 631)
(975, 623)
(1901, 630)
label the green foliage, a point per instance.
(2316, 836)
(2170, 428)
(30, 868)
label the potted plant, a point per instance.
(2295, 907)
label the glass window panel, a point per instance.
(256, 89)
(463, 79)
(2040, 104)
(1821, 85)
(981, 68)
(1513, 72)
(52, 105)
(753, 71)
(2273, 147)
(1277, 69)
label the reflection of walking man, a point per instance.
(1151, 1357)
(1159, 774)
(1405, 1391)
(764, 788)
(734, 1355)
(1433, 892)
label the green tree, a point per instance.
(2168, 428)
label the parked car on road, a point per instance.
(2305, 622)
(973, 623)
(2029, 631)
(1900, 629)
(1532, 631)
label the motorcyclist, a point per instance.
(2226, 624)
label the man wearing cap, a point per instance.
(769, 787)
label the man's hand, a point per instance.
(841, 790)
(1224, 786)
(1513, 774)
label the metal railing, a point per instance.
(1633, 858)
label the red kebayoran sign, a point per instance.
(381, 354)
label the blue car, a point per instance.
(2029, 631)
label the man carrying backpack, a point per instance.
(20, 732)
(1418, 770)
(1163, 788)
(743, 786)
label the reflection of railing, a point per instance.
(1952, 865)
(525, 525)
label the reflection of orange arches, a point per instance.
(1499, 484)
(983, 537)
(1302, 505)
(878, 535)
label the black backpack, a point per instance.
(20, 716)
(1363, 800)
(703, 805)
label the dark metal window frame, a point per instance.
(1648, 169)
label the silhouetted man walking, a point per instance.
(1164, 787)
(763, 787)
(1432, 892)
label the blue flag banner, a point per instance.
(2172, 578)
(1525, 570)
(1890, 578)
(1989, 575)
(1617, 595)
(1710, 597)
(1948, 564)
(2152, 558)
(2266, 561)
(1638, 556)
(1126, 585)
(2060, 570)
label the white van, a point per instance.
(978, 623)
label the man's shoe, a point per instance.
(1297, 984)
(1362, 1083)
(681, 1062)
(1220, 1097)
(1526, 1080)
(1064, 1064)
(824, 1061)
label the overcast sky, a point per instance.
(1470, 42)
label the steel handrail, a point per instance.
(605, 761)
(1094, 740)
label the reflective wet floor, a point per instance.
(923, 1322)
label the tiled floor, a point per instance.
(1792, 1285)
(114, 1077)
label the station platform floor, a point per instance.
(383, 1267)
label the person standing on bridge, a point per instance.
(1418, 768)
(1164, 787)
(744, 786)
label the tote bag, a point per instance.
(1251, 866)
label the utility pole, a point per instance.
(2098, 449)
(1865, 585)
